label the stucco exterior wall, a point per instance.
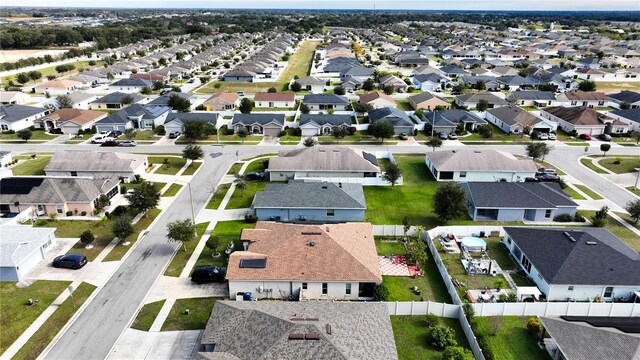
(310, 214)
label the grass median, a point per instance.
(147, 315)
(181, 257)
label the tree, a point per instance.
(192, 152)
(339, 90)
(417, 251)
(242, 133)
(144, 197)
(485, 131)
(181, 231)
(534, 326)
(295, 86)
(241, 184)
(146, 90)
(179, 103)
(87, 238)
(434, 142)
(246, 106)
(127, 100)
(442, 337)
(482, 105)
(22, 78)
(64, 101)
(338, 132)
(368, 85)
(362, 107)
(388, 89)
(604, 148)
(450, 201)
(392, 173)
(309, 142)
(548, 87)
(35, 75)
(538, 150)
(272, 90)
(480, 85)
(198, 130)
(130, 133)
(587, 85)
(512, 99)
(457, 353)
(24, 134)
(304, 108)
(633, 208)
(600, 218)
(382, 130)
(158, 85)
(121, 227)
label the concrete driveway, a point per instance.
(170, 287)
(169, 345)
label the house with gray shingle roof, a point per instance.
(259, 123)
(401, 122)
(323, 124)
(129, 85)
(135, 116)
(310, 201)
(97, 165)
(513, 119)
(471, 100)
(17, 117)
(581, 264)
(115, 101)
(325, 102)
(23, 248)
(478, 165)
(524, 201)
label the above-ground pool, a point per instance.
(472, 243)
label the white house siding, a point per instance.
(310, 131)
(315, 89)
(471, 176)
(633, 126)
(110, 127)
(125, 89)
(275, 104)
(70, 128)
(282, 289)
(30, 261)
(20, 124)
(499, 123)
(317, 107)
(310, 214)
(173, 126)
(285, 175)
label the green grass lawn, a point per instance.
(101, 229)
(172, 190)
(619, 230)
(588, 162)
(235, 168)
(192, 168)
(634, 190)
(241, 199)
(412, 337)
(499, 253)
(39, 341)
(255, 166)
(389, 247)
(511, 341)
(496, 135)
(404, 105)
(291, 136)
(199, 310)
(574, 194)
(457, 271)
(80, 64)
(120, 250)
(126, 186)
(360, 135)
(181, 257)
(260, 156)
(217, 197)
(171, 167)
(144, 135)
(592, 194)
(31, 167)
(627, 164)
(251, 139)
(15, 315)
(389, 205)
(40, 135)
(225, 232)
(147, 315)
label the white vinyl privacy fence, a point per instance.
(557, 309)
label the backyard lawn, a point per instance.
(389, 247)
(147, 316)
(388, 205)
(241, 199)
(39, 341)
(217, 197)
(31, 166)
(619, 230)
(15, 315)
(511, 341)
(170, 164)
(412, 337)
(456, 271)
(225, 231)
(195, 319)
(172, 190)
(181, 257)
(404, 105)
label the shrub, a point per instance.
(107, 214)
(119, 210)
(96, 211)
(69, 213)
(83, 213)
(53, 216)
(442, 337)
(456, 353)
(579, 218)
(250, 219)
(380, 292)
(617, 161)
(469, 311)
(563, 218)
(534, 326)
(351, 130)
(432, 320)
(282, 133)
(87, 237)
(212, 243)
(160, 130)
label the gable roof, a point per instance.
(596, 257)
(260, 330)
(116, 98)
(476, 97)
(122, 116)
(518, 195)
(394, 116)
(52, 190)
(77, 116)
(325, 119)
(256, 118)
(431, 77)
(367, 97)
(350, 246)
(452, 117)
(14, 112)
(512, 115)
(321, 158)
(534, 95)
(89, 160)
(325, 99)
(579, 115)
(631, 114)
(267, 96)
(585, 95)
(476, 160)
(310, 80)
(163, 100)
(209, 117)
(626, 96)
(311, 195)
(19, 241)
(425, 96)
(132, 82)
(225, 97)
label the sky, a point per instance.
(615, 5)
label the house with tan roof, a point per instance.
(478, 165)
(428, 101)
(377, 100)
(583, 120)
(222, 101)
(274, 100)
(294, 261)
(70, 121)
(96, 165)
(14, 97)
(583, 98)
(513, 119)
(57, 87)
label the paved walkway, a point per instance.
(166, 345)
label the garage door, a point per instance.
(309, 132)
(271, 131)
(29, 263)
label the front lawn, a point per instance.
(170, 165)
(195, 319)
(389, 205)
(39, 341)
(360, 135)
(192, 168)
(181, 257)
(241, 199)
(588, 162)
(147, 315)
(15, 315)
(235, 168)
(626, 164)
(126, 186)
(496, 135)
(144, 135)
(291, 136)
(256, 166)
(39, 135)
(172, 190)
(31, 166)
(617, 229)
(511, 341)
(101, 229)
(411, 333)
(225, 232)
(590, 193)
(217, 197)
(574, 194)
(634, 190)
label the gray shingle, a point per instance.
(311, 195)
(518, 195)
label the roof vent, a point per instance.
(312, 243)
(325, 187)
(569, 236)
(312, 336)
(592, 243)
(311, 233)
(477, 151)
(327, 329)
(296, 336)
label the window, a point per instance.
(570, 288)
(331, 212)
(600, 103)
(525, 262)
(4, 127)
(325, 288)
(304, 286)
(463, 174)
(59, 209)
(547, 213)
(608, 292)
(74, 173)
(348, 289)
(574, 103)
(446, 175)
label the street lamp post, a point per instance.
(637, 178)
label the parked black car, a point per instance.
(109, 143)
(254, 176)
(547, 177)
(70, 261)
(202, 274)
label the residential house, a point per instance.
(534, 98)
(18, 117)
(259, 124)
(580, 264)
(377, 100)
(129, 85)
(447, 121)
(515, 82)
(430, 82)
(274, 100)
(96, 165)
(481, 82)
(57, 87)
(588, 62)
(289, 261)
(312, 84)
(298, 330)
(326, 163)
(391, 80)
(54, 195)
(428, 101)
(630, 117)
(357, 72)
(478, 165)
(310, 201)
(163, 100)
(453, 72)
(240, 75)
(116, 101)
(583, 120)
(14, 97)
(323, 124)
(222, 102)
(317, 102)
(135, 116)
(627, 96)
(23, 248)
(583, 98)
(70, 121)
(471, 100)
(401, 122)
(79, 100)
(512, 119)
(523, 201)
(176, 121)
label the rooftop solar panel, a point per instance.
(253, 263)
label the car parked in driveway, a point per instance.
(127, 143)
(543, 136)
(453, 136)
(254, 176)
(605, 137)
(442, 135)
(585, 136)
(547, 177)
(70, 261)
(552, 136)
(174, 135)
(202, 274)
(100, 139)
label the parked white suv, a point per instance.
(100, 139)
